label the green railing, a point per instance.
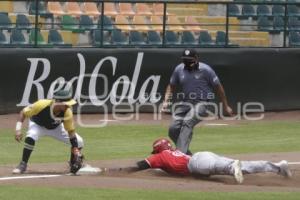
(224, 21)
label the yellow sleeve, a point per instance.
(68, 120)
(36, 107)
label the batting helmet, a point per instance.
(160, 145)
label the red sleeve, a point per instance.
(154, 161)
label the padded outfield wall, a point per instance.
(139, 76)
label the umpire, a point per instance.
(197, 80)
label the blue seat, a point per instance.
(294, 39)
(263, 10)
(55, 39)
(96, 38)
(22, 22)
(153, 38)
(136, 38)
(188, 38)
(233, 10)
(278, 10)
(293, 11)
(293, 24)
(108, 23)
(171, 38)
(278, 24)
(247, 11)
(17, 37)
(5, 22)
(264, 24)
(119, 38)
(205, 39)
(86, 23)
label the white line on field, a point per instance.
(215, 124)
(294, 163)
(108, 120)
(28, 177)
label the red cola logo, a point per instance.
(127, 85)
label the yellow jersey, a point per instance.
(41, 113)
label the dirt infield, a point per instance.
(156, 179)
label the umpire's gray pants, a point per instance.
(185, 117)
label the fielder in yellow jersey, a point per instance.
(54, 118)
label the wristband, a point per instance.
(18, 126)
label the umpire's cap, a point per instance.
(189, 54)
(64, 96)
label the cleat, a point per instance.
(238, 174)
(284, 169)
(20, 169)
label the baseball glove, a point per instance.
(76, 161)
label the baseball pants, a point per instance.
(208, 163)
(59, 133)
(185, 117)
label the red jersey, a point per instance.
(171, 161)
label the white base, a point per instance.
(87, 169)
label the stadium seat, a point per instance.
(171, 38)
(86, 23)
(22, 22)
(3, 40)
(118, 38)
(233, 10)
(55, 8)
(140, 23)
(293, 24)
(188, 38)
(192, 24)
(143, 9)
(136, 38)
(96, 37)
(40, 38)
(174, 24)
(264, 24)
(108, 23)
(72, 8)
(293, 11)
(6, 6)
(41, 8)
(110, 9)
(5, 22)
(294, 39)
(91, 9)
(278, 10)
(153, 38)
(221, 40)
(263, 10)
(123, 23)
(205, 39)
(247, 11)
(156, 23)
(126, 9)
(158, 9)
(56, 39)
(17, 37)
(278, 24)
(71, 24)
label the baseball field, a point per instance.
(121, 143)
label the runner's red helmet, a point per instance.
(161, 145)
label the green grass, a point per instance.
(37, 193)
(134, 141)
